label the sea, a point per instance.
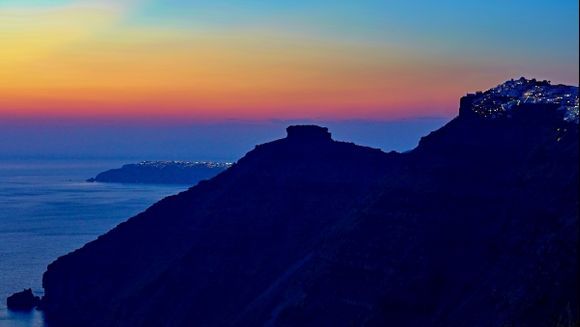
(47, 209)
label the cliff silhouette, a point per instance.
(477, 226)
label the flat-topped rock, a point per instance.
(308, 133)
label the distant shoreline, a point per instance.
(162, 172)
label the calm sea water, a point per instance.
(47, 210)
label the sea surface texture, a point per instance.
(47, 210)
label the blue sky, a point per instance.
(373, 61)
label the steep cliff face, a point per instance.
(477, 226)
(210, 250)
(480, 228)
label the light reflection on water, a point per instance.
(47, 210)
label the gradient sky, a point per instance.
(316, 59)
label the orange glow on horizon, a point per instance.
(83, 61)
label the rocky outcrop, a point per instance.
(308, 133)
(22, 301)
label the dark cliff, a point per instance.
(241, 230)
(477, 226)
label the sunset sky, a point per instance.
(260, 60)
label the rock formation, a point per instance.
(22, 301)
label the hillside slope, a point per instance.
(243, 229)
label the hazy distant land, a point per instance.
(162, 172)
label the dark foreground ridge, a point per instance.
(162, 172)
(478, 226)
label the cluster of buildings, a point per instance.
(184, 164)
(501, 100)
